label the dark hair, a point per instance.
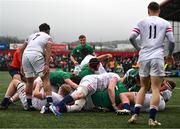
(172, 84)
(76, 79)
(154, 6)
(44, 27)
(93, 63)
(82, 36)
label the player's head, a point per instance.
(94, 64)
(65, 89)
(82, 40)
(45, 28)
(76, 79)
(153, 8)
(171, 84)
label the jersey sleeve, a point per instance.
(49, 40)
(116, 76)
(74, 51)
(65, 75)
(169, 33)
(136, 30)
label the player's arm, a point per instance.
(101, 57)
(73, 60)
(22, 48)
(111, 91)
(36, 92)
(170, 37)
(71, 83)
(134, 34)
(133, 41)
(47, 55)
(72, 57)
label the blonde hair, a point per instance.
(66, 89)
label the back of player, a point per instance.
(152, 30)
(36, 43)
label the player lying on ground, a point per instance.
(38, 99)
(88, 86)
(128, 98)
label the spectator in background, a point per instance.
(81, 51)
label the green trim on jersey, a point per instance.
(101, 98)
(57, 78)
(76, 52)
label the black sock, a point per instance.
(29, 102)
(49, 100)
(126, 106)
(152, 113)
(5, 102)
(62, 104)
(137, 110)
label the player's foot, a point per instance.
(123, 112)
(54, 109)
(4, 104)
(30, 108)
(44, 109)
(133, 119)
(152, 122)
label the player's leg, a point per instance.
(30, 77)
(79, 93)
(11, 90)
(77, 106)
(28, 90)
(126, 99)
(154, 103)
(144, 72)
(15, 73)
(157, 73)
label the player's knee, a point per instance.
(79, 95)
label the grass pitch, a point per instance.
(16, 117)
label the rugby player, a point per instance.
(152, 31)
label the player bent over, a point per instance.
(35, 62)
(88, 86)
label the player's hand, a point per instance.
(46, 69)
(114, 106)
(169, 59)
(76, 63)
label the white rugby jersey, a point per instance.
(146, 105)
(152, 31)
(36, 43)
(86, 60)
(98, 82)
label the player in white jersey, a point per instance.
(88, 85)
(35, 61)
(152, 31)
(86, 60)
(38, 98)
